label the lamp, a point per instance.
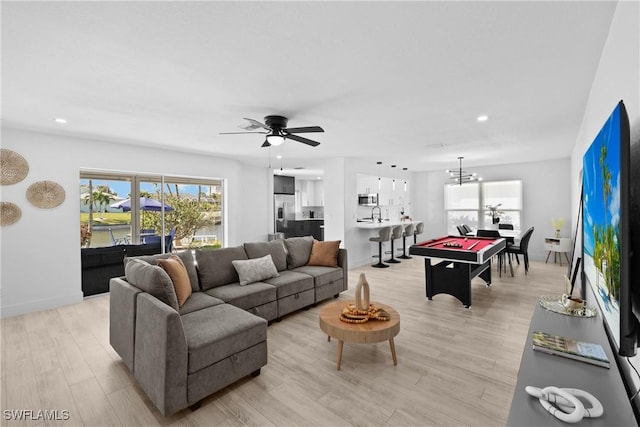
(379, 183)
(459, 176)
(405, 180)
(393, 174)
(275, 139)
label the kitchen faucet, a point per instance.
(379, 213)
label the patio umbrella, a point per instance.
(146, 204)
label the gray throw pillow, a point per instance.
(298, 250)
(275, 248)
(215, 268)
(254, 270)
(151, 279)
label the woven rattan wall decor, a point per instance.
(9, 213)
(13, 167)
(45, 194)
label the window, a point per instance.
(461, 206)
(469, 204)
(506, 194)
(127, 209)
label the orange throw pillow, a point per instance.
(324, 253)
(179, 276)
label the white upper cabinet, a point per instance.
(311, 192)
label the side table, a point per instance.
(372, 331)
(557, 245)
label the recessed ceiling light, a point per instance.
(61, 120)
(483, 118)
(279, 156)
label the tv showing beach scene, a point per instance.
(601, 220)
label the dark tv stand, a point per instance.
(541, 370)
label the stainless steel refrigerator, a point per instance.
(284, 213)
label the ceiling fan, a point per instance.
(275, 127)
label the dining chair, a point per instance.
(461, 230)
(494, 234)
(522, 249)
(505, 226)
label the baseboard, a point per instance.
(40, 305)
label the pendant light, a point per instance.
(379, 183)
(459, 176)
(405, 179)
(393, 176)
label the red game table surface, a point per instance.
(468, 243)
(472, 249)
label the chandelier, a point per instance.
(460, 176)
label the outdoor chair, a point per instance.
(114, 241)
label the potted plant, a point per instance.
(494, 213)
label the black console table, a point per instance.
(541, 370)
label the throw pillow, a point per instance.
(324, 253)
(298, 250)
(179, 276)
(151, 279)
(254, 270)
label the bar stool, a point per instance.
(419, 230)
(408, 231)
(396, 233)
(383, 236)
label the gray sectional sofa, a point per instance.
(181, 354)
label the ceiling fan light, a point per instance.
(275, 139)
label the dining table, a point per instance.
(509, 235)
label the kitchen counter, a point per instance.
(377, 225)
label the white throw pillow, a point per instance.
(254, 270)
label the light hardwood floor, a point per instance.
(456, 366)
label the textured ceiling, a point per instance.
(400, 82)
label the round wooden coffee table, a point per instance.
(372, 331)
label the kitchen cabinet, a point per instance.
(283, 184)
(388, 197)
(303, 228)
(366, 184)
(311, 192)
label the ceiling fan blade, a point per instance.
(302, 139)
(307, 129)
(233, 133)
(256, 124)
(265, 144)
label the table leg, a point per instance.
(340, 344)
(393, 352)
(328, 338)
(549, 253)
(567, 257)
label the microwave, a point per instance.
(368, 199)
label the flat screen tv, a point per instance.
(606, 236)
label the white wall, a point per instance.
(40, 254)
(546, 195)
(617, 78)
